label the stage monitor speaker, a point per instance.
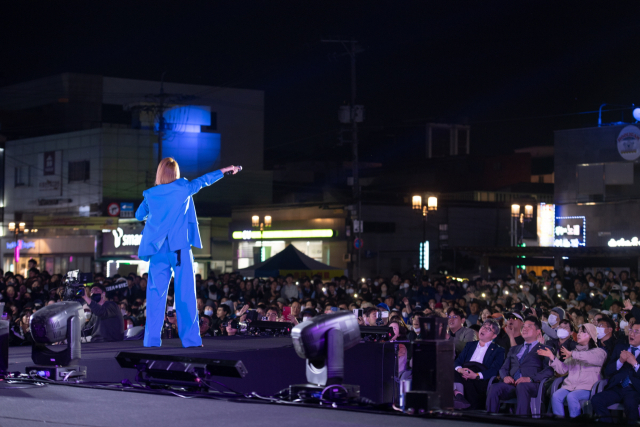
(433, 369)
(433, 328)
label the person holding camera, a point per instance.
(107, 322)
(171, 229)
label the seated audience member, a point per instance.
(624, 380)
(606, 328)
(479, 361)
(222, 315)
(400, 334)
(513, 329)
(522, 371)
(583, 365)
(550, 327)
(459, 334)
(564, 340)
(205, 326)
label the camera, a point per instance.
(381, 315)
(74, 284)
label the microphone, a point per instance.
(227, 173)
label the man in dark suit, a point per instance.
(479, 361)
(522, 371)
(624, 380)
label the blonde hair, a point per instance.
(168, 171)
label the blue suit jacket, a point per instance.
(170, 215)
(493, 358)
(616, 377)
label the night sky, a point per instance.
(515, 71)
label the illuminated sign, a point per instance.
(546, 224)
(282, 234)
(121, 239)
(424, 255)
(613, 243)
(570, 232)
(22, 244)
(629, 143)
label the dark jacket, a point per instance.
(533, 366)
(107, 322)
(493, 358)
(617, 376)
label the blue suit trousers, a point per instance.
(160, 266)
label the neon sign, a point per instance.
(570, 232)
(282, 234)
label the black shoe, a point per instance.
(459, 402)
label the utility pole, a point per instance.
(355, 116)
(162, 103)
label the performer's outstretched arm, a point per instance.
(143, 211)
(208, 179)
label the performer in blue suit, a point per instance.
(170, 231)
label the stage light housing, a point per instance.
(55, 323)
(322, 341)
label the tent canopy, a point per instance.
(291, 261)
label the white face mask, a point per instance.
(464, 285)
(558, 286)
(512, 282)
(553, 319)
(416, 330)
(567, 268)
(525, 289)
(601, 332)
(623, 324)
(591, 284)
(277, 288)
(624, 288)
(406, 286)
(553, 274)
(563, 333)
(350, 290)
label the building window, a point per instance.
(22, 176)
(79, 171)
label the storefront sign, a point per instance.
(546, 224)
(629, 142)
(121, 239)
(282, 234)
(49, 166)
(124, 240)
(22, 244)
(570, 232)
(613, 243)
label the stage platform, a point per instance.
(272, 365)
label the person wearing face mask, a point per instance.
(582, 365)
(606, 337)
(550, 327)
(564, 340)
(107, 322)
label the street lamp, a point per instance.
(528, 212)
(255, 223)
(431, 206)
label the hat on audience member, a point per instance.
(515, 314)
(383, 305)
(559, 311)
(282, 300)
(615, 288)
(591, 330)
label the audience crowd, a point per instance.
(509, 334)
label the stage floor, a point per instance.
(272, 365)
(60, 405)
